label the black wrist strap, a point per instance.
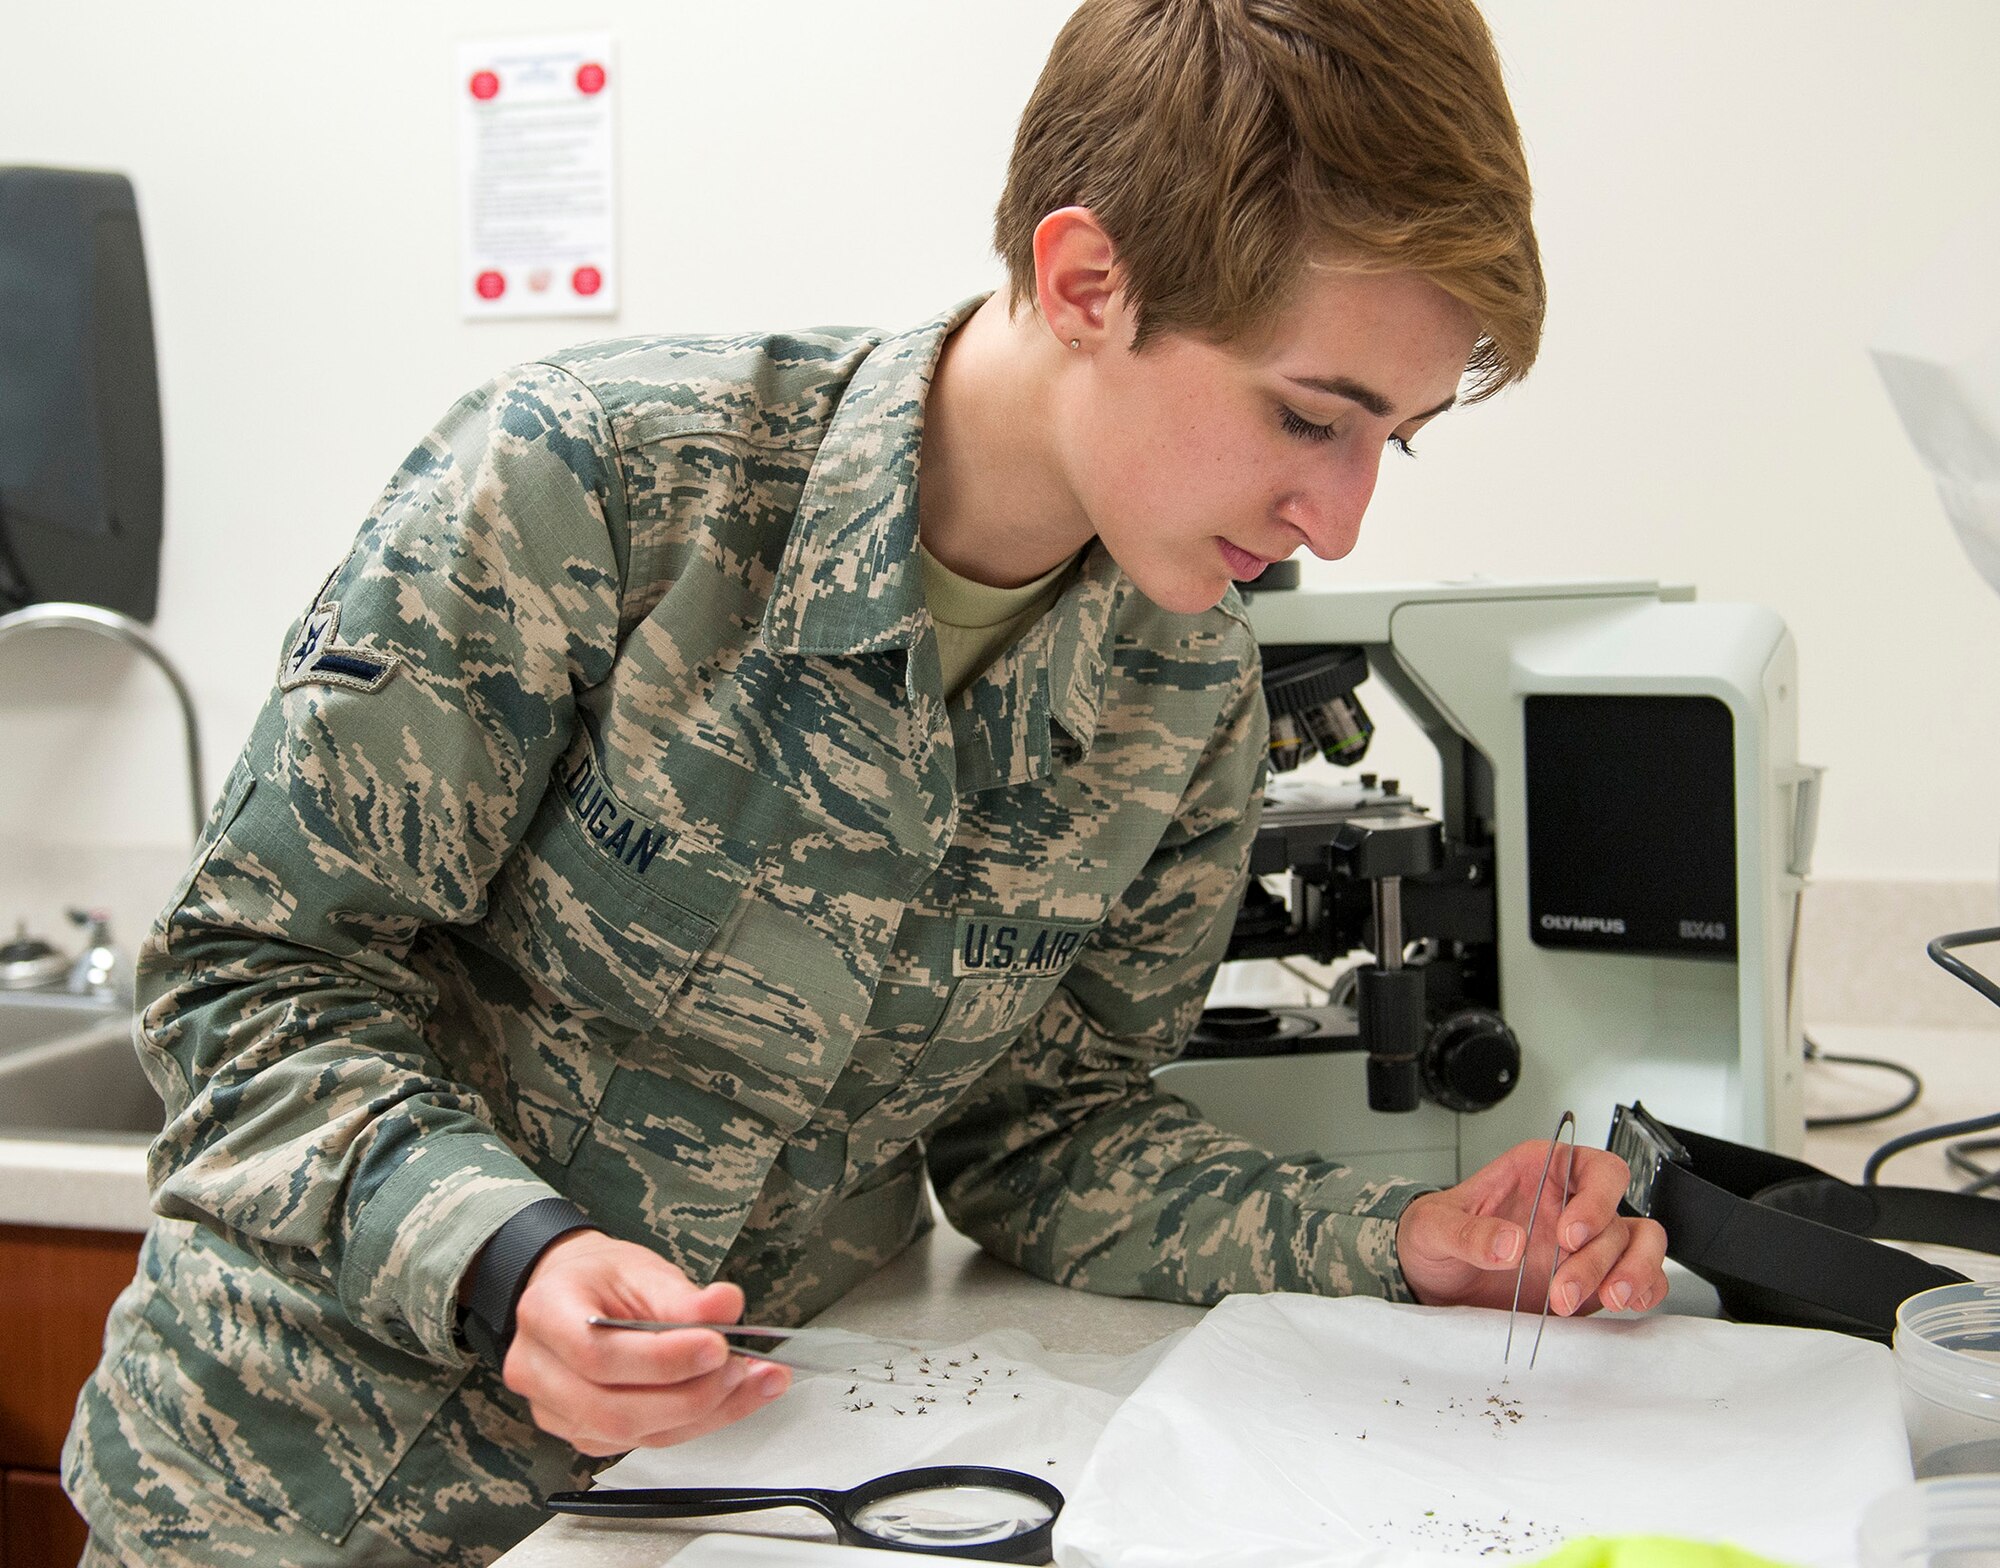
(500, 1272)
(1783, 1242)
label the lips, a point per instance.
(1243, 566)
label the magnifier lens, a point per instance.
(952, 1516)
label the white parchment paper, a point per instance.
(1289, 1430)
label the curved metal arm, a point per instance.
(122, 628)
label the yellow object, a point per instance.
(1652, 1551)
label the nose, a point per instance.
(1329, 512)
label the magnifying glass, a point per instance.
(1000, 1516)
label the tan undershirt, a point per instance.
(977, 623)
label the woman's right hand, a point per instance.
(605, 1390)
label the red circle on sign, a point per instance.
(586, 280)
(491, 285)
(590, 78)
(485, 84)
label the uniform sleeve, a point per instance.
(419, 709)
(1066, 1160)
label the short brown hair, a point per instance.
(1226, 145)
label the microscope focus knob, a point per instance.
(1472, 1061)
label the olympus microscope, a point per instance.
(1602, 909)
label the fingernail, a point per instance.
(1503, 1246)
(1566, 1298)
(1576, 1235)
(770, 1384)
(1621, 1296)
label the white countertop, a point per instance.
(81, 1183)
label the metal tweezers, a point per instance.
(726, 1330)
(1534, 1213)
(655, 1326)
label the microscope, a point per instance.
(1602, 909)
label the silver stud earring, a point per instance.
(1076, 342)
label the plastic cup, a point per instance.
(1947, 1349)
(1950, 1521)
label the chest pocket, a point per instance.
(1004, 968)
(608, 925)
(943, 1018)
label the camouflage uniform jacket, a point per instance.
(609, 834)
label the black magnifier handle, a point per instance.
(1023, 1540)
(691, 1502)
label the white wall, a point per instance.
(1730, 192)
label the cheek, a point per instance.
(1156, 461)
(1129, 459)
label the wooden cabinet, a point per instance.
(56, 1286)
(37, 1524)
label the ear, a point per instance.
(1077, 276)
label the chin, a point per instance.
(1184, 597)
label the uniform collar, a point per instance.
(1001, 723)
(1080, 627)
(850, 581)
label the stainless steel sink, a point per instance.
(68, 1067)
(32, 1018)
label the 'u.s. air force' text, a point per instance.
(995, 947)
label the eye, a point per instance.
(1304, 429)
(1402, 446)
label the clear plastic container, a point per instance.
(1950, 1521)
(1948, 1355)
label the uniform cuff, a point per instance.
(500, 1272)
(1351, 1223)
(416, 1236)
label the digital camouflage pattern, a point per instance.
(609, 833)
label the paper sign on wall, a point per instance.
(537, 203)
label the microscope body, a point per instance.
(1601, 910)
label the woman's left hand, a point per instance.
(1462, 1246)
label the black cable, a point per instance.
(1939, 949)
(1911, 1140)
(1863, 1118)
(1959, 1157)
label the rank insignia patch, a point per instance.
(318, 658)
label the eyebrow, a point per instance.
(1355, 392)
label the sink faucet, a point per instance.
(95, 972)
(121, 628)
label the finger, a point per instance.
(662, 1294)
(600, 1275)
(622, 1357)
(1582, 1272)
(601, 1419)
(1638, 1280)
(764, 1384)
(559, 1319)
(675, 1299)
(1600, 1179)
(1483, 1241)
